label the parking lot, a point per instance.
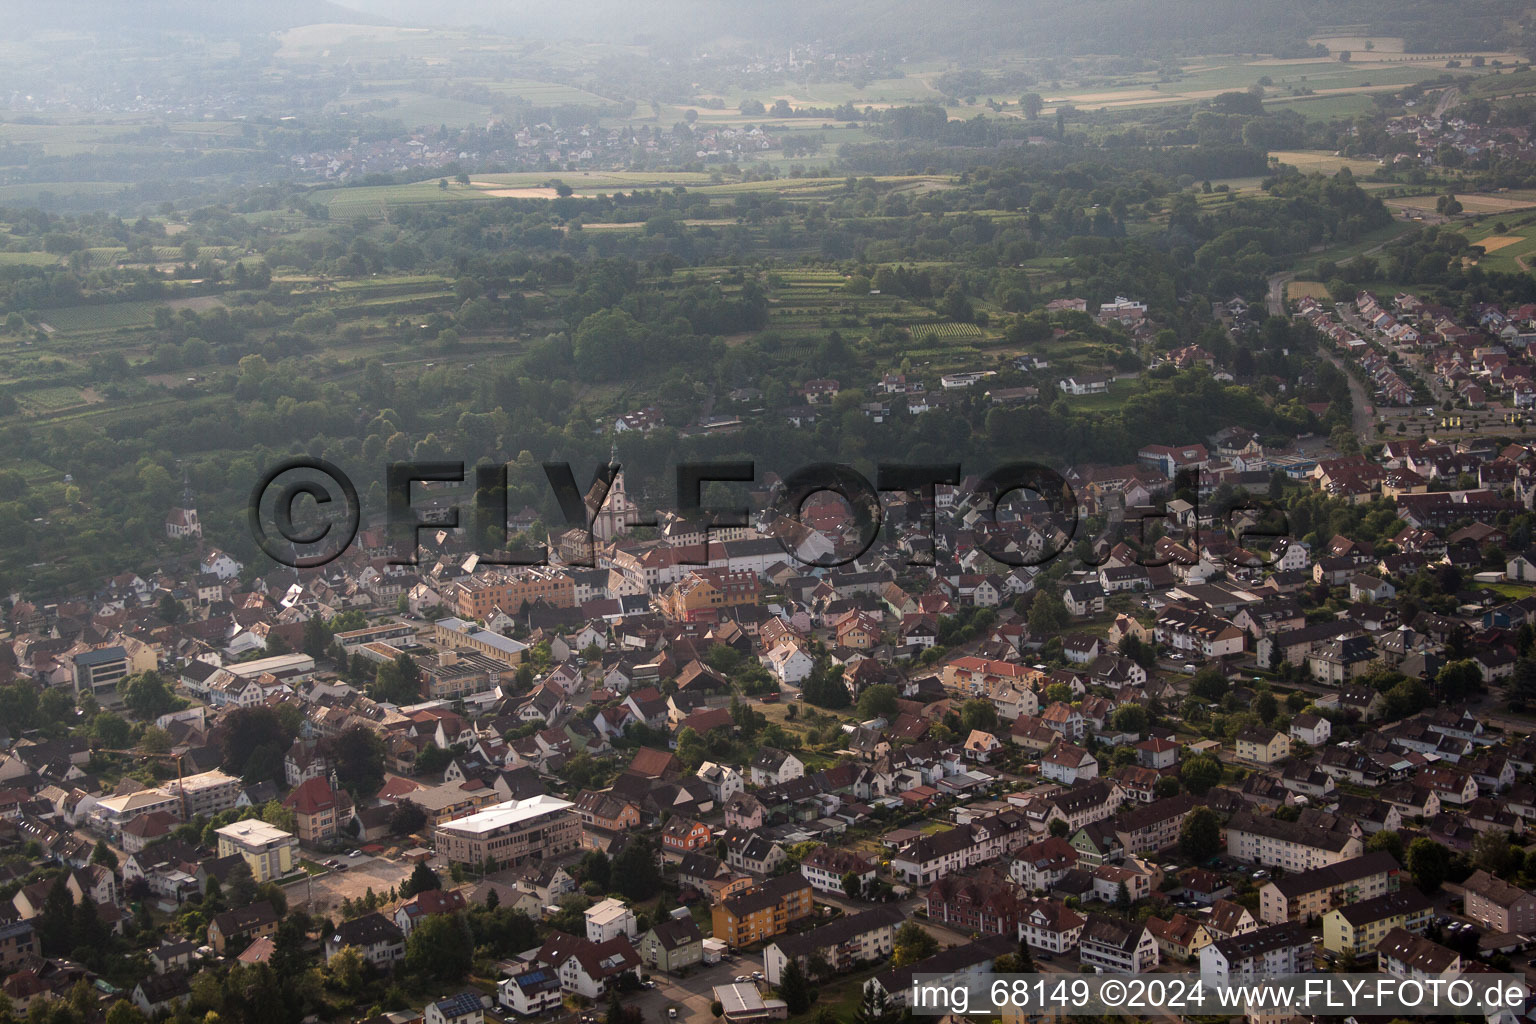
(323, 894)
(692, 995)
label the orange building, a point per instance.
(766, 911)
(478, 596)
(699, 596)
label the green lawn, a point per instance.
(101, 317)
(1119, 391)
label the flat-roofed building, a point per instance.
(512, 832)
(461, 635)
(742, 1003)
(350, 640)
(270, 852)
(111, 813)
(289, 668)
(207, 793)
(98, 668)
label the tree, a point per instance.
(824, 687)
(1428, 862)
(635, 870)
(170, 610)
(1388, 840)
(1458, 681)
(979, 714)
(357, 754)
(1199, 773)
(690, 748)
(878, 701)
(852, 886)
(1200, 835)
(1165, 787)
(274, 813)
(1208, 684)
(254, 741)
(873, 1008)
(619, 1012)
(594, 867)
(1047, 615)
(346, 969)
(1032, 104)
(423, 879)
(55, 926)
(317, 637)
(795, 988)
(102, 854)
(440, 949)
(431, 760)
(397, 681)
(407, 818)
(147, 695)
(1130, 718)
(1491, 852)
(241, 884)
(289, 956)
(912, 943)
(1026, 958)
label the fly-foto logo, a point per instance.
(312, 533)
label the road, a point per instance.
(1448, 99)
(1363, 409)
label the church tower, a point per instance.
(618, 513)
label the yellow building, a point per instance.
(766, 911)
(266, 848)
(1263, 746)
(1354, 930)
(1181, 938)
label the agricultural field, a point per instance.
(80, 319)
(1320, 162)
(545, 93)
(1502, 202)
(944, 333)
(1510, 252)
(1307, 289)
(55, 399)
(1323, 108)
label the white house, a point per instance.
(464, 1008)
(773, 766)
(1116, 947)
(531, 991)
(1310, 729)
(723, 781)
(610, 919)
(789, 663)
(1066, 763)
